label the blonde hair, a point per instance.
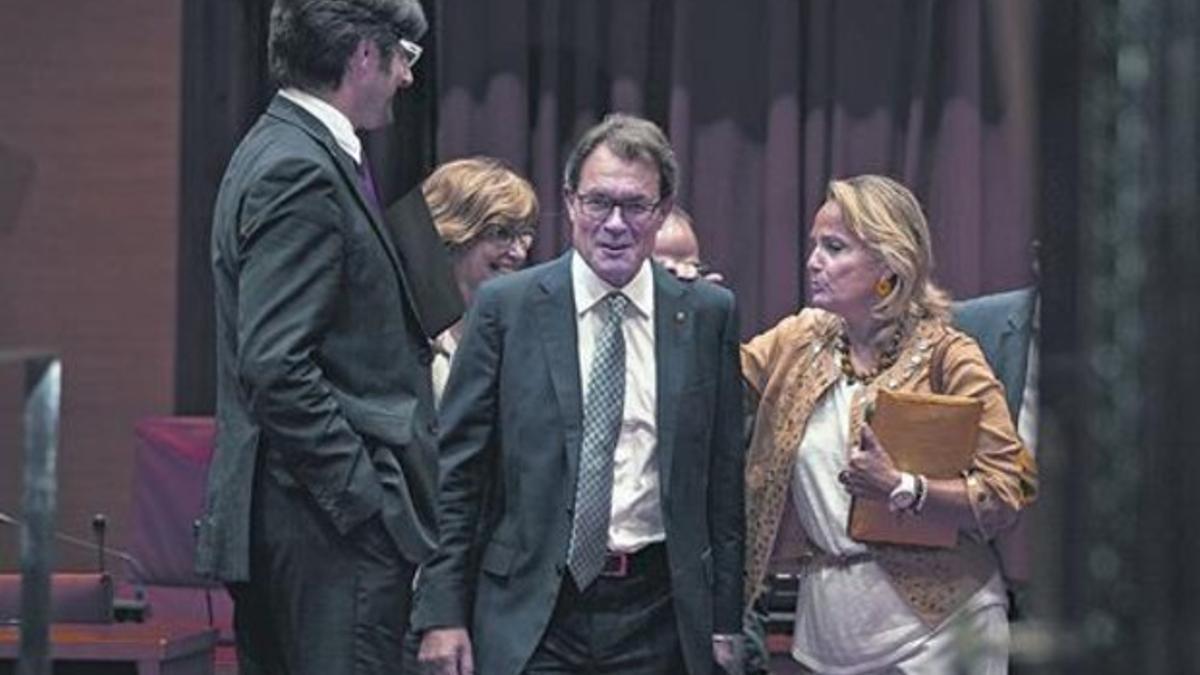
(887, 218)
(465, 196)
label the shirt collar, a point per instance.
(338, 124)
(591, 289)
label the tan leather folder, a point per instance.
(929, 434)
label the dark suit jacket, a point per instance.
(511, 417)
(323, 371)
(1002, 324)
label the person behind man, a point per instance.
(1006, 325)
(321, 491)
(486, 215)
(599, 397)
(677, 249)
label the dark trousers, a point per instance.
(318, 603)
(616, 625)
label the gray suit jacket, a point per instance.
(512, 420)
(323, 369)
(1002, 325)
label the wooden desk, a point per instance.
(155, 648)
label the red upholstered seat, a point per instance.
(171, 461)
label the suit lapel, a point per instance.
(1014, 351)
(350, 175)
(673, 327)
(291, 113)
(554, 311)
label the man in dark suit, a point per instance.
(1005, 326)
(596, 400)
(321, 491)
(1002, 324)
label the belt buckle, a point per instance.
(616, 565)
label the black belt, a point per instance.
(646, 560)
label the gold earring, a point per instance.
(883, 287)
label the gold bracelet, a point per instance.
(972, 480)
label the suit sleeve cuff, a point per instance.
(435, 610)
(360, 497)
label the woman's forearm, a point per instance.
(948, 502)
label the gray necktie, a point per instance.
(601, 426)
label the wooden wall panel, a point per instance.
(89, 138)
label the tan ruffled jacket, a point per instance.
(789, 369)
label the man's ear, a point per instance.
(566, 197)
(360, 58)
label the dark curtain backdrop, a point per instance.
(764, 101)
(1083, 116)
(224, 88)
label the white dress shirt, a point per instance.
(338, 124)
(444, 346)
(636, 518)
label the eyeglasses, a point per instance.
(506, 234)
(411, 51)
(599, 207)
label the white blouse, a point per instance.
(850, 619)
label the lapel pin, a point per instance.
(679, 317)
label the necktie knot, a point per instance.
(616, 303)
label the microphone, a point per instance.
(99, 526)
(135, 609)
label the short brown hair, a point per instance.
(310, 41)
(630, 138)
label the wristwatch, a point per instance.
(904, 495)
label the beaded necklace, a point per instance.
(886, 360)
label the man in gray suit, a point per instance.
(596, 400)
(1005, 326)
(1002, 324)
(321, 491)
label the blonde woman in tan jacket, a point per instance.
(876, 320)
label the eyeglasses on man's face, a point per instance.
(410, 51)
(598, 207)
